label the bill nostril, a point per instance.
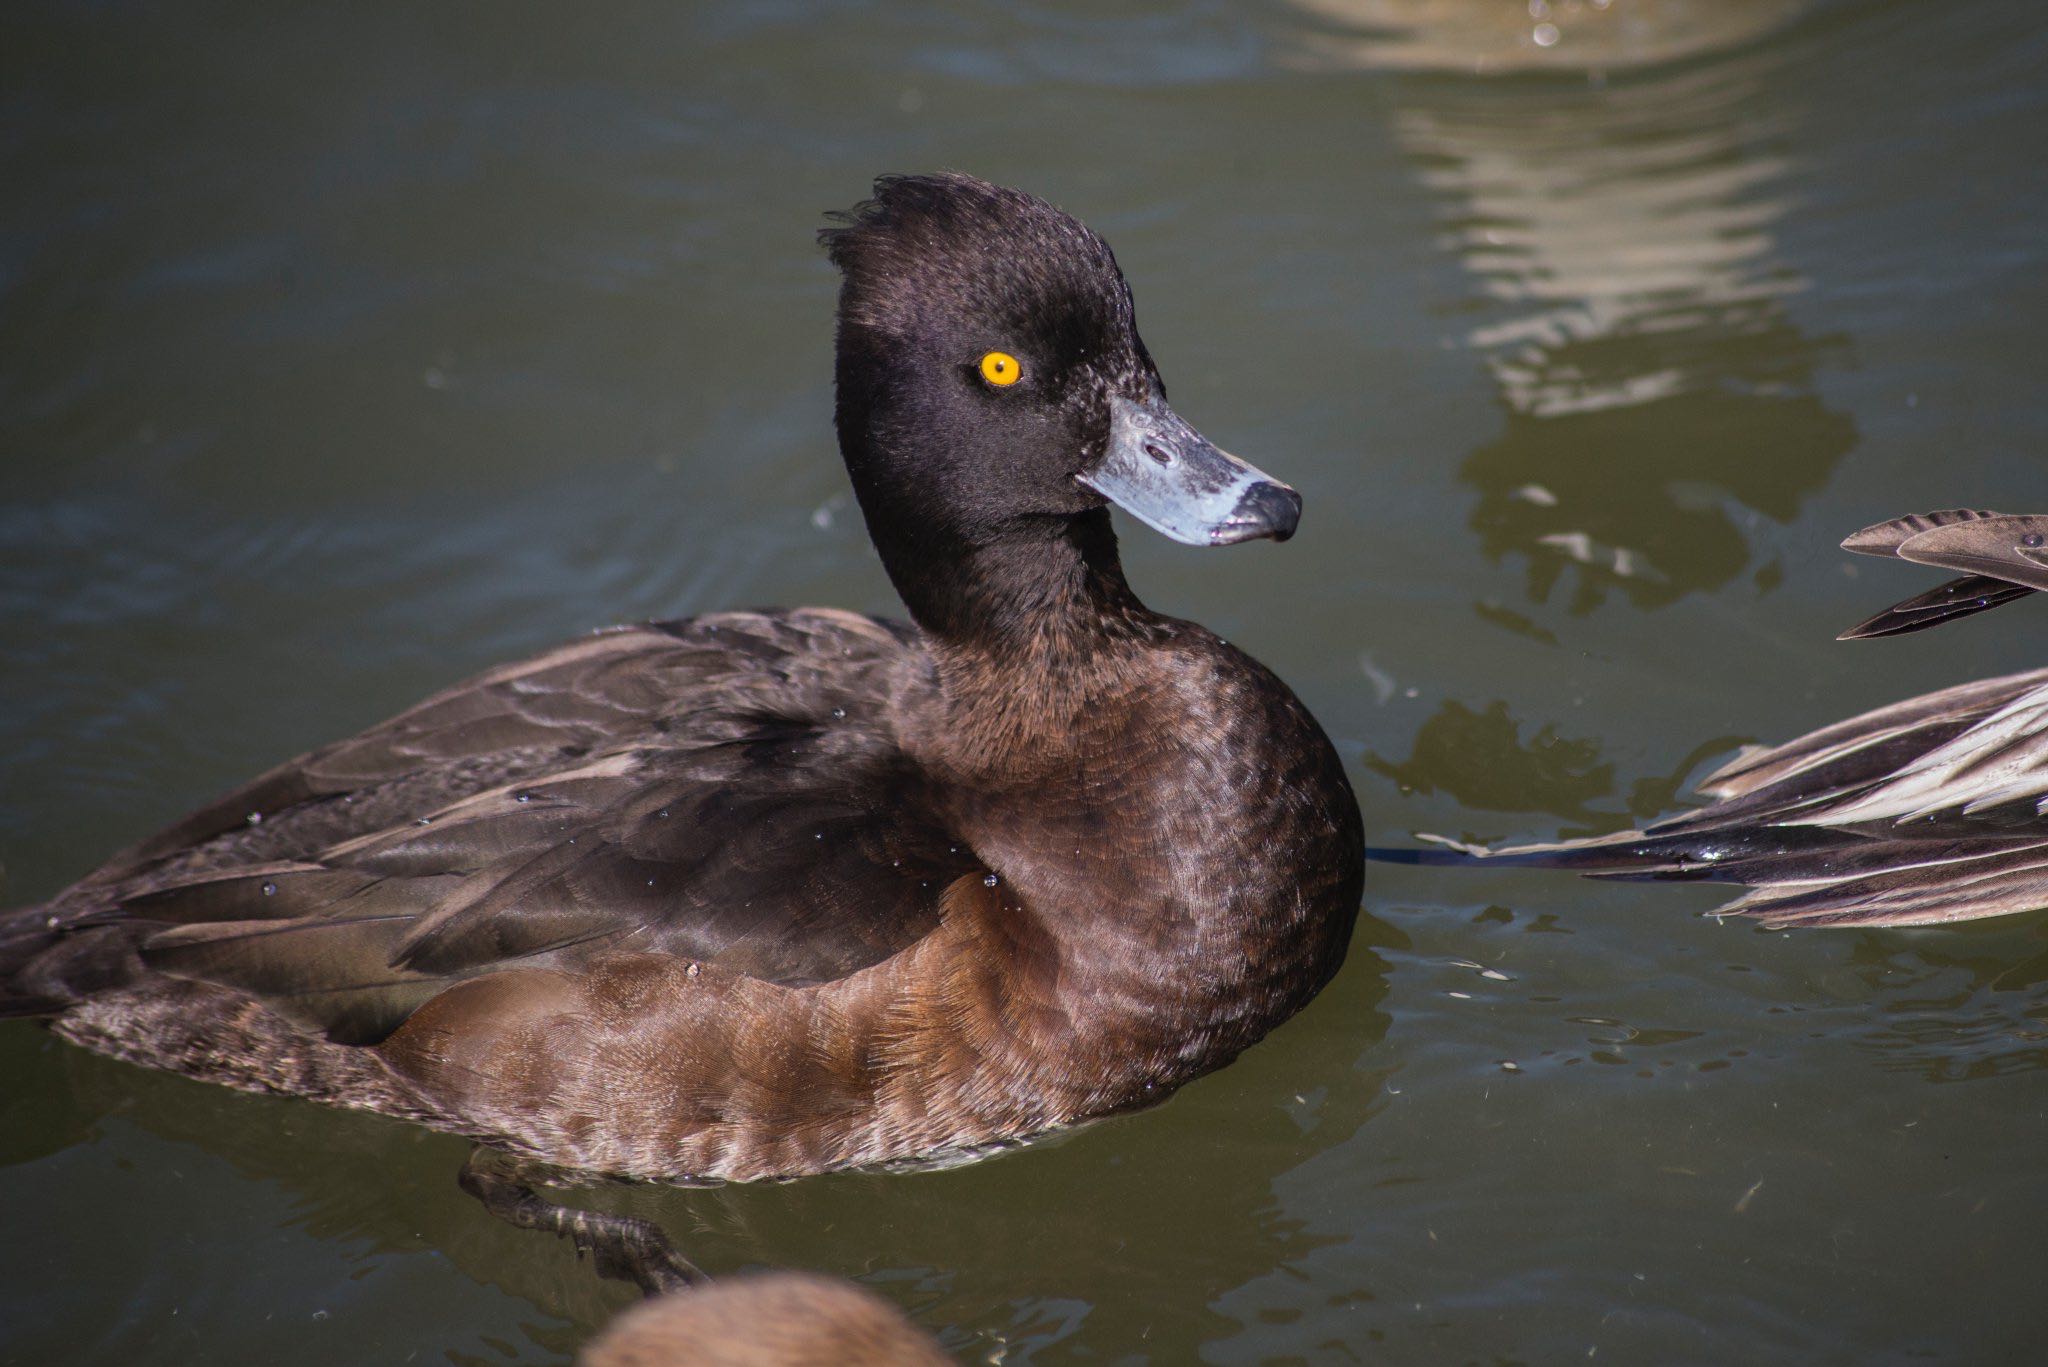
(1159, 453)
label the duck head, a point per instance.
(994, 394)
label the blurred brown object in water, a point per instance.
(773, 1319)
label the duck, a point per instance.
(764, 1319)
(1929, 811)
(754, 895)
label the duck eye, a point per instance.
(1001, 369)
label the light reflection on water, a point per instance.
(1620, 230)
(1476, 38)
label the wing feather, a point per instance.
(2009, 547)
(1922, 813)
(1962, 597)
(1993, 547)
(724, 788)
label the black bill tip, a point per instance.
(1266, 509)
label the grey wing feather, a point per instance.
(1885, 538)
(2012, 548)
(1993, 547)
(1972, 593)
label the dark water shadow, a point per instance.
(1480, 758)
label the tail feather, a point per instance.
(25, 933)
(47, 965)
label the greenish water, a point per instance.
(344, 352)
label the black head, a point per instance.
(939, 273)
(992, 386)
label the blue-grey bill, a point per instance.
(1180, 484)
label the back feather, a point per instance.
(723, 789)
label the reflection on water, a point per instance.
(1481, 759)
(1958, 1008)
(238, 518)
(1655, 391)
(1493, 36)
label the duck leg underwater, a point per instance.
(621, 1247)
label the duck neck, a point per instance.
(1026, 627)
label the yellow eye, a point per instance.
(1000, 368)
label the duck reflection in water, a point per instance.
(1612, 176)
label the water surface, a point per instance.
(343, 353)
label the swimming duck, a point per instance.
(761, 894)
(1931, 810)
